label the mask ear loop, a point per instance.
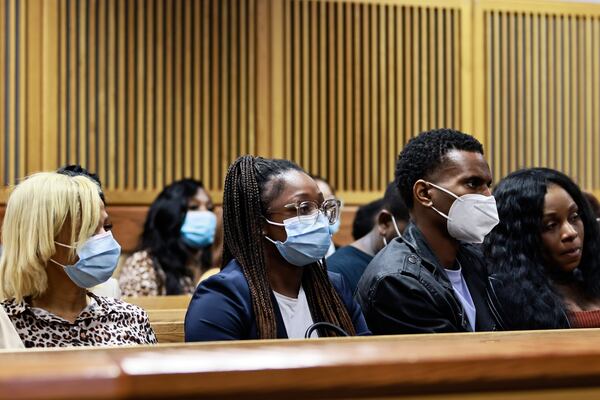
(396, 226)
(447, 192)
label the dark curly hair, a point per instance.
(423, 154)
(162, 233)
(514, 251)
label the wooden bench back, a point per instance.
(160, 302)
(505, 365)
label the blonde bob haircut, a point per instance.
(37, 211)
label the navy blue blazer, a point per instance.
(221, 308)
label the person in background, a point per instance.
(364, 219)
(432, 279)
(56, 247)
(110, 288)
(543, 256)
(351, 261)
(274, 283)
(328, 193)
(175, 247)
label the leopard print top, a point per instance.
(104, 322)
(141, 276)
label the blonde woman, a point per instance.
(55, 248)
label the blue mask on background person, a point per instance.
(306, 243)
(98, 259)
(198, 229)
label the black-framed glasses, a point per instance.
(308, 211)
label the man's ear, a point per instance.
(384, 222)
(421, 193)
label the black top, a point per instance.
(349, 262)
(406, 290)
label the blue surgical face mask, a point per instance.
(306, 243)
(98, 259)
(198, 229)
(333, 229)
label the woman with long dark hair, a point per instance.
(274, 282)
(175, 247)
(543, 257)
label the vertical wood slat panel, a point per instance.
(112, 57)
(149, 169)
(178, 91)
(197, 71)
(224, 37)
(497, 146)
(206, 99)
(82, 69)
(234, 94)
(367, 133)
(20, 133)
(551, 159)
(3, 92)
(393, 95)
(349, 120)
(244, 77)
(101, 164)
(375, 131)
(383, 129)
(539, 97)
(511, 101)
(11, 115)
(587, 161)
(543, 93)
(303, 89)
(596, 104)
(187, 84)
(91, 123)
(357, 110)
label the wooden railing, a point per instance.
(511, 365)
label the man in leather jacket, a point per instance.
(428, 280)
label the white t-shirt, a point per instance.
(462, 292)
(296, 314)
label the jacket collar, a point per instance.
(417, 242)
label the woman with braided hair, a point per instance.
(274, 282)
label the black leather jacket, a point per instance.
(405, 289)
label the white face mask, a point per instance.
(471, 216)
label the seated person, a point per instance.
(329, 193)
(273, 283)
(364, 219)
(351, 261)
(110, 288)
(543, 256)
(175, 247)
(432, 279)
(55, 248)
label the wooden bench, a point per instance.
(160, 302)
(504, 365)
(169, 315)
(169, 332)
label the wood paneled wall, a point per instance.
(542, 88)
(362, 79)
(148, 91)
(156, 90)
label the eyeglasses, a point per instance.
(308, 211)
